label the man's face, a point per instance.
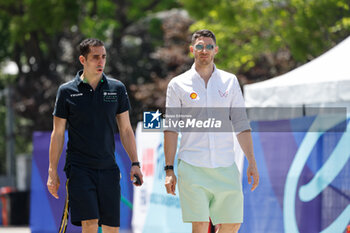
(95, 61)
(204, 50)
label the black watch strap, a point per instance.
(169, 167)
(136, 164)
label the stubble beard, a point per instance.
(205, 61)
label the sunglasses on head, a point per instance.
(200, 47)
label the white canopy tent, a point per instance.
(325, 81)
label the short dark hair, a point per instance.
(203, 33)
(84, 46)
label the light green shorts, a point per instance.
(210, 192)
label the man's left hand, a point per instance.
(252, 171)
(135, 170)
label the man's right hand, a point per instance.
(53, 183)
(170, 182)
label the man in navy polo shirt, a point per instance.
(90, 105)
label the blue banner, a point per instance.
(45, 210)
(304, 180)
(304, 183)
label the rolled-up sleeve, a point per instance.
(173, 106)
(238, 112)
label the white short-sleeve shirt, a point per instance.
(209, 149)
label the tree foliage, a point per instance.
(264, 38)
(147, 47)
(41, 37)
(169, 59)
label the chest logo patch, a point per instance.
(223, 94)
(193, 95)
(110, 96)
(77, 94)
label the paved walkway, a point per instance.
(27, 230)
(14, 230)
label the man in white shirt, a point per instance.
(209, 181)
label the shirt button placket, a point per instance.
(210, 134)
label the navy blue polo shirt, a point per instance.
(91, 120)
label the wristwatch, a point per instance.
(169, 167)
(136, 164)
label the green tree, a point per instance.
(41, 37)
(261, 39)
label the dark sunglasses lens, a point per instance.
(210, 47)
(199, 47)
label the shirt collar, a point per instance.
(195, 73)
(78, 80)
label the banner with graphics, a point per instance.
(304, 178)
(154, 209)
(45, 210)
(304, 182)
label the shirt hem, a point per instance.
(197, 165)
